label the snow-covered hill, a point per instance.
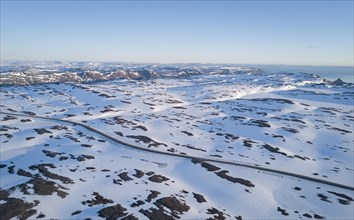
(295, 123)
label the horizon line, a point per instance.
(174, 63)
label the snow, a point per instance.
(289, 122)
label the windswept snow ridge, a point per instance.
(296, 123)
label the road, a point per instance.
(201, 159)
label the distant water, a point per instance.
(327, 72)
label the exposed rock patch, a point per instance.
(158, 178)
(97, 200)
(112, 212)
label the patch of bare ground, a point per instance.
(210, 167)
(124, 176)
(174, 206)
(316, 216)
(207, 166)
(42, 131)
(223, 175)
(158, 178)
(153, 194)
(22, 172)
(172, 203)
(187, 133)
(343, 199)
(291, 130)
(4, 194)
(273, 149)
(8, 118)
(137, 203)
(154, 213)
(76, 212)
(97, 200)
(179, 107)
(231, 136)
(41, 187)
(7, 128)
(146, 140)
(248, 143)
(199, 198)
(42, 168)
(115, 212)
(271, 100)
(26, 120)
(323, 197)
(29, 113)
(219, 215)
(119, 133)
(82, 157)
(11, 169)
(127, 102)
(51, 154)
(282, 211)
(14, 207)
(123, 122)
(86, 145)
(59, 127)
(41, 215)
(173, 101)
(138, 173)
(140, 127)
(7, 135)
(108, 110)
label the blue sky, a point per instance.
(245, 32)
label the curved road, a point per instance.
(201, 159)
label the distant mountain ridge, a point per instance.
(33, 73)
(17, 74)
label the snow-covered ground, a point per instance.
(296, 123)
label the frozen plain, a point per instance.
(297, 123)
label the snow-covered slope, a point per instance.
(297, 123)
